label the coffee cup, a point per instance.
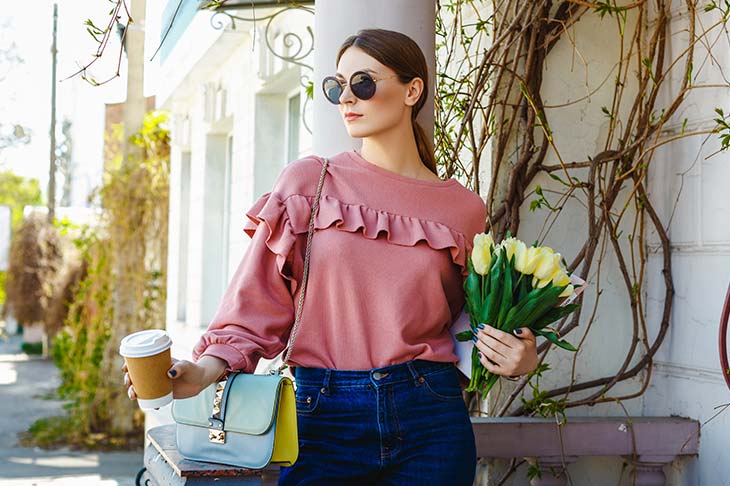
(147, 354)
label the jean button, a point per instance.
(377, 375)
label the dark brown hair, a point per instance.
(400, 53)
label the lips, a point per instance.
(352, 116)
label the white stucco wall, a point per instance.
(229, 92)
(691, 197)
(688, 185)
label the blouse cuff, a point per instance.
(231, 355)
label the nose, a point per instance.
(346, 95)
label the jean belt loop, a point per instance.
(326, 381)
(415, 374)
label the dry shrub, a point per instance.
(36, 255)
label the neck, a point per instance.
(395, 150)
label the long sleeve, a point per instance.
(255, 316)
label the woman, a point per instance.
(379, 399)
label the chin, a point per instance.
(358, 132)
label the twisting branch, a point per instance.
(490, 95)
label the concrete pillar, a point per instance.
(552, 470)
(336, 20)
(649, 470)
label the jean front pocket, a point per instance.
(443, 384)
(307, 398)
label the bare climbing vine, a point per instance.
(491, 69)
(489, 107)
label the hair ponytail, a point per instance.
(425, 148)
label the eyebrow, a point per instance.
(364, 69)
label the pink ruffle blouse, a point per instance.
(387, 266)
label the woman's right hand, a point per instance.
(188, 378)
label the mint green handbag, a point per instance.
(246, 420)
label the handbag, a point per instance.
(246, 420)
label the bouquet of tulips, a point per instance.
(511, 285)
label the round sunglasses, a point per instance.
(361, 84)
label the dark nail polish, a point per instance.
(474, 338)
(173, 373)
(480, 355)
(518, 331)
(481, 326)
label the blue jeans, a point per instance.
(404, 424)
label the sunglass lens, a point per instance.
(332, 90)
(362, 86)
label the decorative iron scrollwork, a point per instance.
(299, 47)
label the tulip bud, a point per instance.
(481, 256)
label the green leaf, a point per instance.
(557, 178)
(506, 301)
(309, 90)
(553, 338)
(464, 336)
(537, 302)
(495, 295)
(554, 314)
(472, 288)
(547, 301)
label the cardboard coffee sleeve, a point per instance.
(147, 354)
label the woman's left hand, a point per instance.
(507, 354)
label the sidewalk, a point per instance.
(23, 379)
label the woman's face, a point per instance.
(390, 106)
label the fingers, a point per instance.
(178, 368)
(488, 353)
(525, 333)
(498, 355)
(490, 365)
(131, 394)
(489, 342)
(506, 339)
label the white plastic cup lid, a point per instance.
(145, 343)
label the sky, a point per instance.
(25, 91)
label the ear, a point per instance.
(414, 90)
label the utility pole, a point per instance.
(52, 169)
(129, 248)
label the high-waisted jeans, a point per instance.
(404, 424)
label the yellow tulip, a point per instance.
(567, 292)
(548, 263)
(481, 256)
(509, 246)
(521, 257)
(561, 278)
(531, 259)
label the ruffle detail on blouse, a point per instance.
(270, 209)
(290, 217)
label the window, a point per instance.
(293, 121)
(184, 215)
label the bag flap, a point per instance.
(250, 406)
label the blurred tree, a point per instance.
(17, 192)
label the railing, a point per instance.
(647, 443)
